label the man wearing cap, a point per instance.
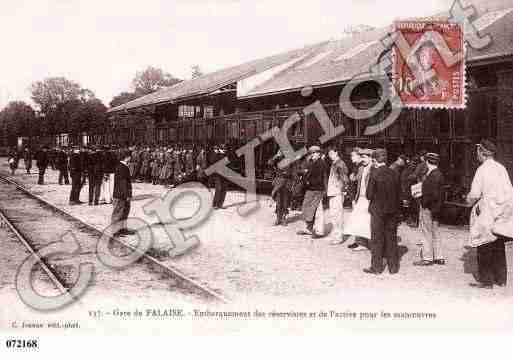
(429, 214)
(491, 190)
(42, 162)
(415, 177)
(221, 185)
(61, 163)
(383, 195)
(122, 194)
(75, 168)
(27, 158)
(358, 224)
(315, 188)
(95, 175)
(399, 165)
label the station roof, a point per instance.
(322, 64)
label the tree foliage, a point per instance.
(66, 106)
(18, 119)
(196, 71)
(152, 79)
(145, 82)
(51, 92)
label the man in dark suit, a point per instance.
(61, 163)
(27, 158)
(383, 194)
(122, 194)
(42, 162)
(76, 167)
(94, 176)
(221, 185)
(431, 205)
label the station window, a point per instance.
(186, 111)
(208, 111)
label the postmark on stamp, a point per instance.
(429, 63)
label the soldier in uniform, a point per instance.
(145, 165)
(221, 186)
(61, 163)
(95, 176)
(201, 166)
(42, 162)
(156, 165)
(167, 169)
(27, 159)
(177, 167)
(189, 164)
(76, 168)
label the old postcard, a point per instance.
(264, 168)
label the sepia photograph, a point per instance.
(220, 167)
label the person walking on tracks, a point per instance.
(42, 162)
(491, 192)
(122, 195)
(383, 195)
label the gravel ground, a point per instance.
(251, 261)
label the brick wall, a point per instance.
(505, 119)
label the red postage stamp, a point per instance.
(429, 63)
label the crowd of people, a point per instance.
(411, 189)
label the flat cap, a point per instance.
(365, 152)
(314, 149)
(488, 146)
(432, 156)
(379, 152)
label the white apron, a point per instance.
(358, 223)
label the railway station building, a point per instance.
(239, 103)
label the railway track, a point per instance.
(38, 223)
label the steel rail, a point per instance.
(173, 271)
(53, 277)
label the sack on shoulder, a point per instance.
(416, 190)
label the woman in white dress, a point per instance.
(358, 224)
